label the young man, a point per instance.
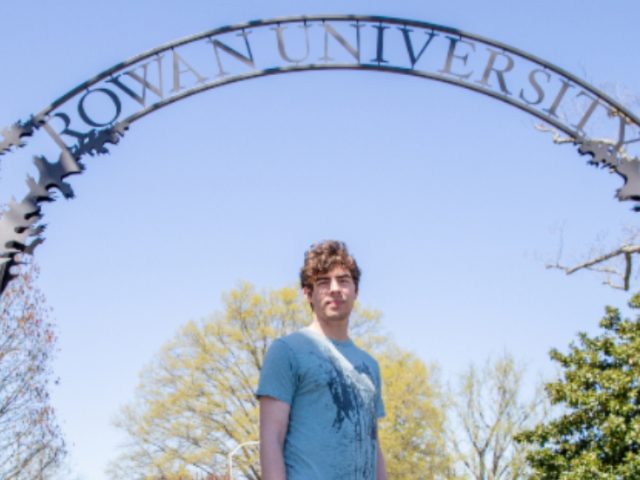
(320, 395)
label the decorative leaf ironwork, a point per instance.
(607, 155)
(12, 136)
(19, 233)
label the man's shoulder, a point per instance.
(364, 352)
(295, 339)
(365, 355)
(295, 347)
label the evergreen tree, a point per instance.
(597, 434)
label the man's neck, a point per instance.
(335, 330)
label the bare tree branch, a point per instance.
(594, 264)
(31, 444)
(487, 412)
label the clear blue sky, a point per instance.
(451, 202)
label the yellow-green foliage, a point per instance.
(195, 401)
(412, 432)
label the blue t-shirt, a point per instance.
(334, 391)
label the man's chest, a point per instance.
(333, 380)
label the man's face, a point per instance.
(333, 295)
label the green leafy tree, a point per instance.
(488, 411)
(597, 436)
(195, 402)
(31, 444)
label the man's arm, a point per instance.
(274, 420)
(381, 467)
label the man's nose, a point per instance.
(334, 285)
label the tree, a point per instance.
(598, 434)
(412, 433)
(488, 413)
(614, 263)
(196, 401)
(31, 445)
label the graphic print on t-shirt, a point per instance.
(352, 391)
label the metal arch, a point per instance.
(19, 232)
(36, 120)
(305, 68)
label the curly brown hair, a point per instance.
(322, 257)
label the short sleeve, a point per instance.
(379, 403)
(277, 377)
